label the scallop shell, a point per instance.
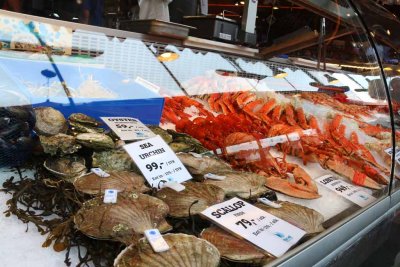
(305, 218)
(179, 202)
(185, 251)
(233, 248)
(67, 167)
(241, 184)
(122, 181)
(125, 220)
(200, 165)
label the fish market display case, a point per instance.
(302, 133)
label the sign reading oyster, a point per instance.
(128, 128)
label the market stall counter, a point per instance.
(125, 149)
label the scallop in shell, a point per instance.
(196, 196)
(125, 220)
(305, 218)
(122, 181)
(241, 184)
(235, 249)
(185, 251)
(67, 167)
(200, 165)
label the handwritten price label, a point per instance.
(128, 128)
(355, 194)
(157, 162)
(255, 225)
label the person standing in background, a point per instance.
(154, 9)
(93, 12)
(12, 5)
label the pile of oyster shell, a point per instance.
(79, 142)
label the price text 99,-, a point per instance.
(155, 166)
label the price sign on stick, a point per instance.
(157, 161)
(128, 128)
(389, 151)
(255, 225)
(355, 194)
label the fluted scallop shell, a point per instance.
(305, 218)
(233, 248)
(122, 181)
(241, 184)
(185, 251)
(125, 220)
(200, 195)
(67, 167)
(200, 165)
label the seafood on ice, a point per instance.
(245, 117)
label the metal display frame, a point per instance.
(320, 250)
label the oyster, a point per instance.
(241, 184)
(192, 144)
(49, 121)
(65, 144)
(180, 147)
(196, 196)
(200, 165)
(305, 218)
(185, 251)
(83, 119)
(114, 160)
(67, 168)
(96, 141)
(122, 181)
(161, 132)
(125, 220)
(235, 249)
(81, 128)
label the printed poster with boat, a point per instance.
(26, 35)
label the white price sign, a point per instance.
(157, 161)
(255, 225)
(389, 151)
(355, 194)
(128, 128)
